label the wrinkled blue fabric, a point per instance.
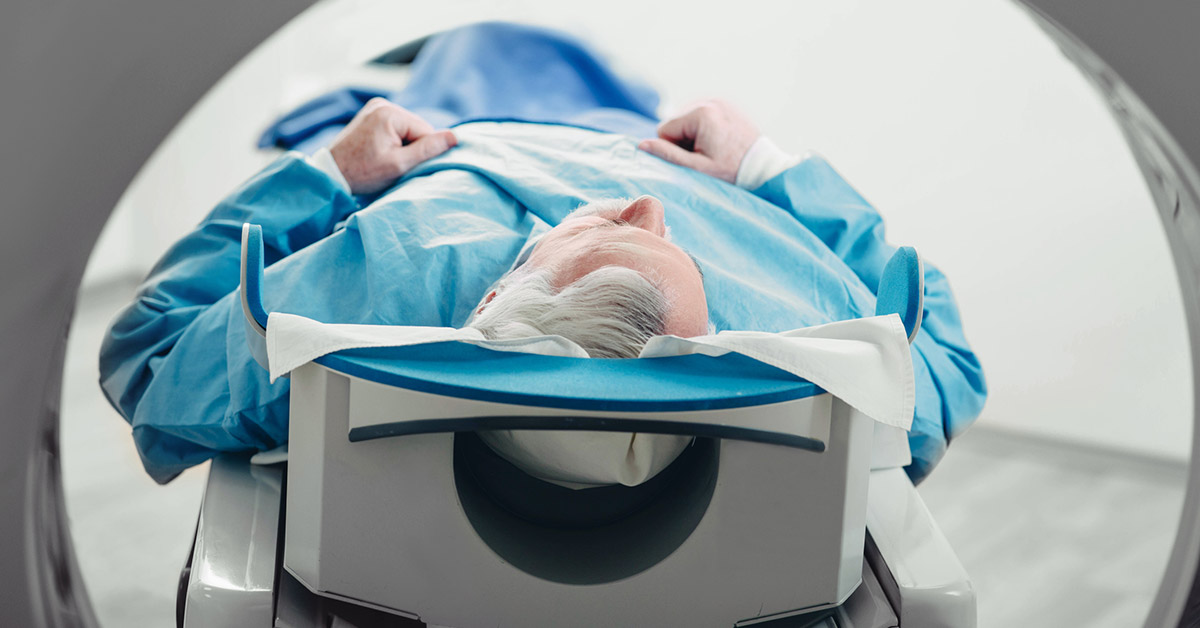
(315, 123)
(803, 249)
(489, 71)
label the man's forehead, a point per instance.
(607, 210)
(599, 208)
(614, 206)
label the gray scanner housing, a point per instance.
(757, 531)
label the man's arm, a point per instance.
(950, 385)
(295, 203)
(717, 140)
(298, 204)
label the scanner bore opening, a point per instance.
(586, 536)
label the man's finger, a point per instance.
(373, 104)
(666, 150)
(409, 125)
(682, 129)
(427, 147)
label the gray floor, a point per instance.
(1056, 535)
(1051, 535)
(131, 535)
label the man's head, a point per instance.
(607, 277)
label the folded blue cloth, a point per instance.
(492, 70)
(803, 249)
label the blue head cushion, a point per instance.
(902, 289)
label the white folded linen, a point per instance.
(866, 362)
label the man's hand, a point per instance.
(383, 142)
(712, 138)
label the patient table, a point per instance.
(391, 510)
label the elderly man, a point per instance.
(542, 212)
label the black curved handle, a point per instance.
(584, 423)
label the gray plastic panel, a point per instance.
(232, 580)
(929, 586)
(90, 89)
(783, 530)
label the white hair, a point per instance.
(610, 312)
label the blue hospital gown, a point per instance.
(802, 249)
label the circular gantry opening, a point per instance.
(980, 145)
(582, 536)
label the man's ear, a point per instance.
(645, 212)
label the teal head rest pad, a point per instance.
(902, 289)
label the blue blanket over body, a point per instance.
(801, 250)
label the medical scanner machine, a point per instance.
(1140, 56)
(392, 510)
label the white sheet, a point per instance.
(866, 362)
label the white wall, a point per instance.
(959, 121)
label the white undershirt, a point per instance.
(762, 162)
(323, 160)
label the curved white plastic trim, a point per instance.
(933, 588)
(233, 565)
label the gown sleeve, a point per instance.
(164, 341)
(950, 384)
